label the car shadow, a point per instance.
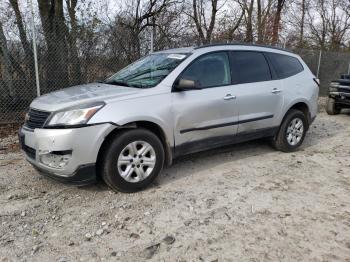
(319, 132)
(184, 166)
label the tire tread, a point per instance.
(331, 108)
(116, 142)
(279, 142)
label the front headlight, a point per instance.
(74, 116)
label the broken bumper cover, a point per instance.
(66, 155)
(84, 175)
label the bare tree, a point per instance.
(263, 19)
(318, 30)
(338, 22)
(24, 41)
(7, 62)
(235, 23)
(329, 23)
(277, 20)
(302, 23)
(54, 28)
(72, 39)
(248, 8)
(203, 27)
(135, 19)
(170, 27)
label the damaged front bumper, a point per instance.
(67, 155)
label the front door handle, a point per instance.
(276, 91)
(229, 97)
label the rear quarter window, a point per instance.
(285, 65)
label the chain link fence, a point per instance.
(64, 61)
(17, 77)
(328, 65)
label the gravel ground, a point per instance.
(246, 202)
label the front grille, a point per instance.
(30, 152)
(36, 118)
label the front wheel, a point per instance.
(292, 132)
(132, 161)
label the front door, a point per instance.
(206, 117)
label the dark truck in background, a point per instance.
(339, 95)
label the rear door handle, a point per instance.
(229, 97)
(276, 91)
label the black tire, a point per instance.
(109, 160)
(331, 108)
(280, 141)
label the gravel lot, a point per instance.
(240, 203)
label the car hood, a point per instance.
(82, 94)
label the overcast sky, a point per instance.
(103, 8)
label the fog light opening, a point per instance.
(55, 159)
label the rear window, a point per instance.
(249, 67)
(284, 65)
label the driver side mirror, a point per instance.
(186, 84)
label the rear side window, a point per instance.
(210, 70)
(249, 66)
(284, 65)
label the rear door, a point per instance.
(295, 82)
(259, 97)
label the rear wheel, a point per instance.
(292, 131)
(132, 161)
(331, 107)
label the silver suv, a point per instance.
(165, 105)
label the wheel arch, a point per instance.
(301, 106)
(151, 126)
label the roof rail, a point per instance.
(243, 44)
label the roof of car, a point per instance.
(243, 44)
(192, 49)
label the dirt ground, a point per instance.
(245, 202)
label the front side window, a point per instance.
(210, 70)
(249, 67)
(285, 65)
(148, 71)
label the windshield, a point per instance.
(148, 71)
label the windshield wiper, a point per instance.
(148, 70)
(118, 83)
(123, 83)
(150, 77)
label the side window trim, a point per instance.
(231, 56)
(268, 64)
(194, 60)
(273, 72)
(234, 81)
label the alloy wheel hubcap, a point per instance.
(136, 161)
(295, 131)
